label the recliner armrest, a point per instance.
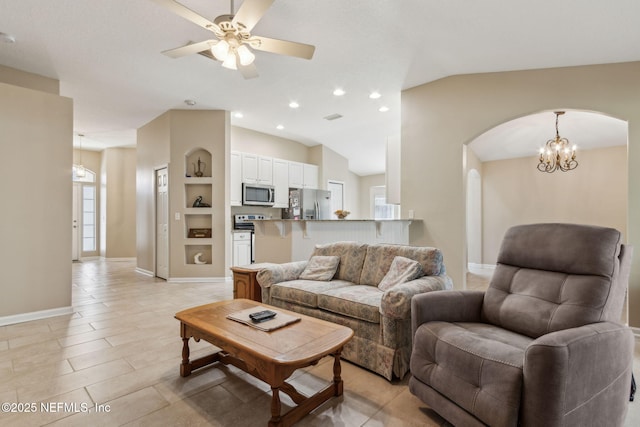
(569, 372)
(276, 273)
(446, 306)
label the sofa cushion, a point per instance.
(380, 256)
(320, 268)
(357, 301)
(402, 270)
(304, 292)
(476, 365)
(351, 258)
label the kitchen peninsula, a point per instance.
(284, 240)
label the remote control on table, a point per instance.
(262, 316)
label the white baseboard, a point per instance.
(145, 272)
(198, 279)
(636, 332)
(35, 315)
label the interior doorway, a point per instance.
(337, 195)
(162, 223)
(474, 218)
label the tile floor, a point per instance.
(115, 362)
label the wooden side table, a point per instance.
(245, 284)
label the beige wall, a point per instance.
(152, 152)
(250, 141)
(364, 197)
(166, 141)
(36, 134)
(29, 80)
(118, 207)
(439, 118)
(515, 192)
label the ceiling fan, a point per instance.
(234, 42)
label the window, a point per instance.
(88, 218)
(379, 206)
(87, 208)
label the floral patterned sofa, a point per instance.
(365, 287)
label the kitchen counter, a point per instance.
(284, 240)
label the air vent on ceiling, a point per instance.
(333, 117)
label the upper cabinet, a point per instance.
(281, 183)
(296, 179)
(282, 174)
(309, 176)
(257, 169)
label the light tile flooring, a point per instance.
(115, 362)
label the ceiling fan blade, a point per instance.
(250, 12)
(248, 71)
(282, 47)
(189, 15)
(190, 49)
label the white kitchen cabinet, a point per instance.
(241, 248)
(257, 169)
(296, 179)
(265, 170)
(281, 183)
(310, 176)
(235, 180)
(249, 168)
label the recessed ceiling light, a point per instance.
(383, 109)
(294, 104)
(339, 92)
(279, 127)
(238, 115)
(374, 95)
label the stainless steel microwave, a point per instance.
(258, 194)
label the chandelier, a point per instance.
(557, 154)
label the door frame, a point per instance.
(155, 222)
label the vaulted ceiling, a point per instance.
(107, 56)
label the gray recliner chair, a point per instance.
(543, 346)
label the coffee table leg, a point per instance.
(185, 366)
(337, 370)
(276, 407)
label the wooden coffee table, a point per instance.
(269, 356)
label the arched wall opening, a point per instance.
(513, 191)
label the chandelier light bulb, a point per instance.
(246, 56)
(220, 50)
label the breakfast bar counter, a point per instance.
(284, 240)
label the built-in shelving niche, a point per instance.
(198, 184)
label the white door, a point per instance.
(76, 214)
(337, 196)
(162, 223)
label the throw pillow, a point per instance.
(402, 270)
(320, 268)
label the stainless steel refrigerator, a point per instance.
(307, 203)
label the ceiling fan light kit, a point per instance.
(234, 40)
